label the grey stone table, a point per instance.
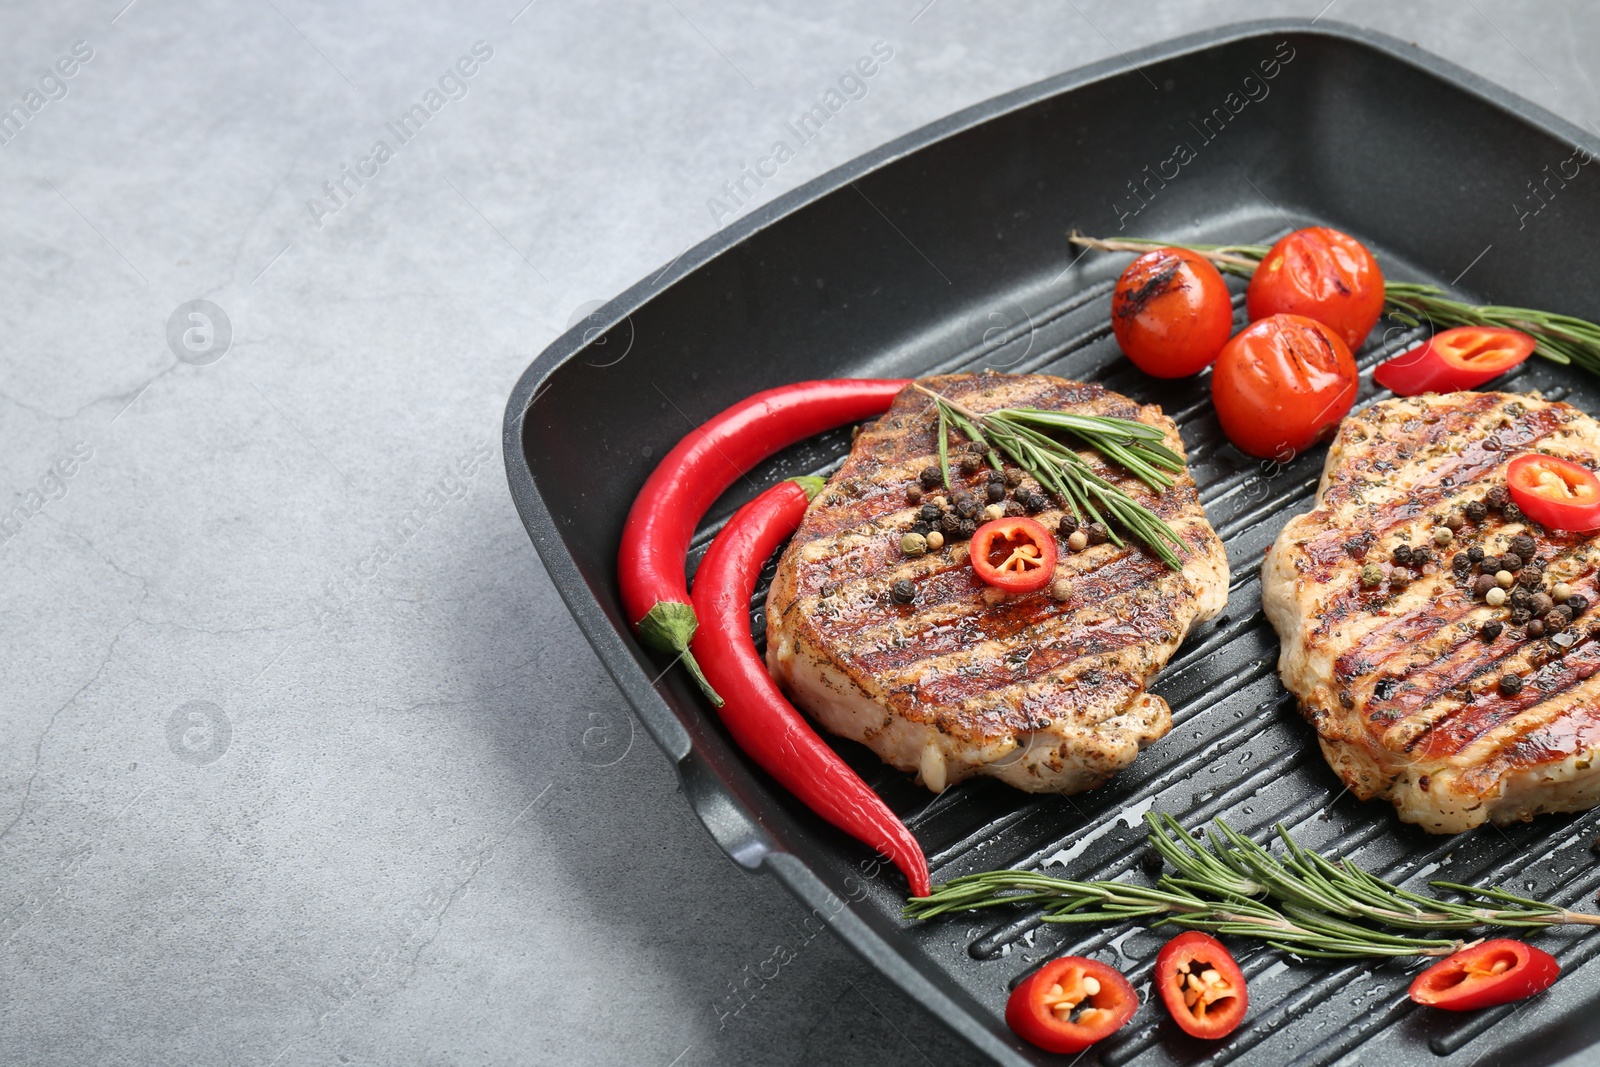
(301, 759)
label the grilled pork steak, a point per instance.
(1044, 694)
(1413, 699)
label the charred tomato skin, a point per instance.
(1324, 275)
(1282, 384)
(1470, 979)
(1171, 312)
(1031, 1017)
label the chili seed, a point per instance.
(1578, 603)
(1442, 536)
(931, 477)
(1098, 535)
(1536, 628)
(1491, 629)
(1078, 541)
(1539, 603)
(1402, 554)
(1475, 553)
(1475, 511)
(1560, 591)
(904, 591)
(1495, 597)
(1497, 498)
(996, 492)
(1482, 584)
(1524, 546)
(1060, 589)
(1510, 685)
(913, 494)
(1013, 477)
(935, 540)
(913, 545)
(1067, 526)
(1371, 575)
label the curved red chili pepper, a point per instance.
(688, 480)
(762, 721)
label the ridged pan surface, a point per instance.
(947, 251)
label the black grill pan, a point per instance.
(947, 250)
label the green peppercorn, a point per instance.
(1371, 575)
(1442, 535)
(914, 545)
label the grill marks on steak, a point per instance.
(1400, 686)
(1048, 695)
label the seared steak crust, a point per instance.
(1397, 678)
(1045, 694)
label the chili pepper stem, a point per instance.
(669, 627)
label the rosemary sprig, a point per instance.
(1303, 903)
(1019, 433)
(1563, 339)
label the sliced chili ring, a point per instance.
(1494, 972)
(1555, 492)
(1017, 554)
(1462, 358)
(1070, 1003)
(1201, 985)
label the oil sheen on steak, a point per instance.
(1046, 695)
(1400, 683)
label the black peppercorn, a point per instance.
(1475, 511)
(1482, 584)
(1013, 477)
(1520, 598)
(1511, 562)
(1512, 513)
(950, 522)
(1033, 502)
(929, 513)
(1531, 577)
(1524, 546)
(996, 492)
(1460, 564)
(1510, 685)
(978, 448)
(996, 476)
(1536, 628)
(931, 477)
(1067, 526)
(1498, 497)
(1356, 547)
(1013, 509)
(1520, 616)
(1563, 610)
(1475, 553)
(966, 506)
(1490, 564)
(1491, 629)
(1554, 622)
(971, 463)
(1097, 532)
(904, 591)
(921, 529)
(1578, 603)
(968, 528)
(914, 494)
(1151, 861)
(1420, 556)
(1538, 603)
(1402, 554)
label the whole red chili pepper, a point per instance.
(688, 480)
(763, 723)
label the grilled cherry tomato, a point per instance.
(1069, 1004)
(1555, 492)
(1324, 275)
(1494, 972)
(1282, 384)
(1017, 555)
(1201, 985)
(1171, 313)
(1462, 358)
